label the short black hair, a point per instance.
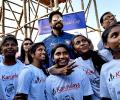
(101, 19)
(34, 46)
(107, 31)
(53, 13)
(57, 46)
(7, 38)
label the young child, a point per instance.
(9, 68)
(110, 73)
(74, 85)
(31, 81)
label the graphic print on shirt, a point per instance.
(68, 87)
(39, 80)
(67, 97)
(9, 90)
(114, 75)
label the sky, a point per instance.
(102, 7)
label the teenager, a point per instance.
(31, 81)
(90, 61)
(109, 78)
(9, 68)
(74, 85)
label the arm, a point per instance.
(66, 70)
(24, 82)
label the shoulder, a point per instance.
(68, 34)
(50, 79)
(107, 66)
(48, 38)
(78, 60)
(28, 69)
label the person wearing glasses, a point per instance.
(57, 34)
(106, 20)
(24, 55)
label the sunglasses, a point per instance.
(27, 43)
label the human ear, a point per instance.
(106, 45)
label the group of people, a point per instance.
(63, 66)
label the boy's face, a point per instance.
(113, 40)
(61, 56)
(108, 20)
(9, 48)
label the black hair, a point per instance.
(22, 53)
(107, 31)
(54, 13)
(32, 51)
(7, 38)
(57, 46)
(72, 42)
(94, 55)
(35, 46)
(101, 19)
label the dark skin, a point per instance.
(66, 70)
(37, 63)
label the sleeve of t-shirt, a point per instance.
(49, 92)
(24, 81)
(103, 86)
(87, 89)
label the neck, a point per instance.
(56, 32)
(9, 61)
(26, 53)
(116, 55)
(36, 63)
(86, 55)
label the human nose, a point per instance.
(119, 36)
(43, 51)
(61, 56)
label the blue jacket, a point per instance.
(52, 40)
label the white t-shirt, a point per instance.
(70, 87)
(110, 80)
(31, 81)
(91, 72)
(106, 54)
(8, 80)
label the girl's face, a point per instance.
(81, 45)
(61, 56)
(40, 53)
(113, 40)
(26, 45)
